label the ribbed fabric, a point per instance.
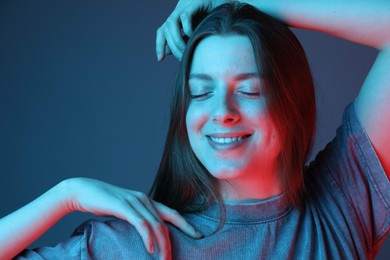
(345, 215)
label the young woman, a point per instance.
(242, 124)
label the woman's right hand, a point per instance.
(169, 38)
(146, 215)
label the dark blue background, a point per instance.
(81, 94)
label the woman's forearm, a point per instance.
(19, 229)
(22, 227)
(363, 21)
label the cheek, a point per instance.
(256, 116)
(261, 121)
(195, 119)
(271, 139)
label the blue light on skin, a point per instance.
(228, 125)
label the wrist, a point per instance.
(67, 197)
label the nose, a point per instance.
(225, 111)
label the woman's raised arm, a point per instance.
(362, 21)
(22, 227)
(365, 22)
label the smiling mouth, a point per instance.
(228, 140)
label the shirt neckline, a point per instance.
(251, 212)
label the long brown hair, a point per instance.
(182, 182)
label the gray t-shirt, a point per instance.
(345, 215)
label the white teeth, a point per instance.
(226, 140)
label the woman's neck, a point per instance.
(251, 188)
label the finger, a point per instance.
(161, 233)
(142, 226)
(167, 50)
(185, 18)
(142, 202)
(172, 216)
(160, 43)
(172, 46)
(174, 29)
(174, 37)
(163, 241)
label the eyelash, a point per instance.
(199, 96)
(250, 94)
(204, 95)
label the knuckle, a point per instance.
(140, 195)
(184, 15)
(143, 197)
(170, 218)
(166, 30)
(121, 204)
(174, 212)
(161, 227)
(143, 224)
(175, 14)
(173, 216)
(170, 21)
(160, 29)
(130, 199)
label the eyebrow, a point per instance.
(245, 76)
(238, 77)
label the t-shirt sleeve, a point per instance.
(112, 239)
(349, 168)
(72, 248)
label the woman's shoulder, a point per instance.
(347, 180)
(95, 239)
(106, 229)
(111, 225)
(115, 238)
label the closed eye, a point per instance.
(200, 96)
(250, 94)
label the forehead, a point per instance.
(223, 56)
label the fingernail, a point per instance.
(200, 235)
(152, 250)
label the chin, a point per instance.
(226, 174)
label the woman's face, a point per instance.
(228, 126)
